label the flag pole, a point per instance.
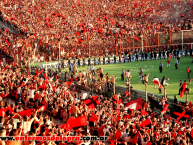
(165, 92)
(146, 91)
(29, 67)
(142, 42)
(59, 53)
(46, 68)
(129, 86)
(89, 47)
(186, 98)
(114, 86)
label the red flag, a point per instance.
(143, 112)
(127, 93)
(93, 117)
(7, 41)
(113, 21)
(4, 95)
(136, 38)
(120, 101)
(128, 41)
(191, 133)
(36, 72)
(5, 109)
(42, 108)
(80, 40)
(145, 123)
(127, 116)
(45, 76)
(105, 17)
(165, 108)
(77, 33)
(28, 72)
(149, 143)
(100, 130)
(118, 134)
(181, 16)
(22, 84)
(135, 5)
(100, 31)
(148, 10)
(154, 40)
(21, 50)
(41, 71)
(181, 115)
(27, 112)
(42, 86)
(135, 140)
(183, 89)
(190, 104)
(69, 83)
(78, 122)
(134, 104)
(56, 78)
(65, 126)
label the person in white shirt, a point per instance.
(106, 130)
(84, 73)
(128, 74)
(31, 94)
(125, 134)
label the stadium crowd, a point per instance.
(78, 25)
(72, 26)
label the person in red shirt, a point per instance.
(188, 71)
(168, 62)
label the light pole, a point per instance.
(59, 53)
(142, 42)
(165, 92)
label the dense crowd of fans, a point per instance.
(78, 25)
(73, 27)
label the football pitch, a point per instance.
(152, 67)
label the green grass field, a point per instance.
(152, 67)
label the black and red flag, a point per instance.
(180, 115)
(92, 102)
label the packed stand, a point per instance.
(78, 25)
